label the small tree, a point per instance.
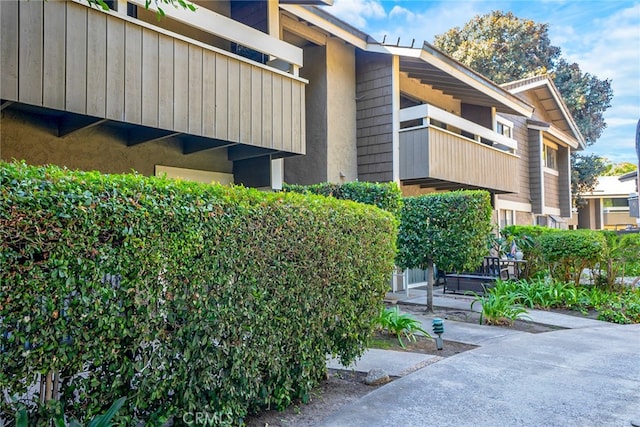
(451, 230)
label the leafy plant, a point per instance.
(399, 324)
(499, 308)
(104, 420)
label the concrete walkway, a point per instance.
(588, 375)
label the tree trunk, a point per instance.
(430, 286)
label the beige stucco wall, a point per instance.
(428, 94)
(342, 155)
(33, 138)
(330, 117)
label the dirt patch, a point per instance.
(342, 387)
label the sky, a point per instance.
(603, 37)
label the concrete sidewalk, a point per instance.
(587, 375)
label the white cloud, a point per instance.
(357, 12)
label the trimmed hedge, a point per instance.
(386, 196)
(569, 252)
(451, 229)
(180, 296)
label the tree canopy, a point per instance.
(505, 48)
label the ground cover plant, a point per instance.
(620, 305)
(179, 296)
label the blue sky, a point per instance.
(603, 37)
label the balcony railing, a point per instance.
(434, 116)
(442, 150)
(130, 71)
(283, 55)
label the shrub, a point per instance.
(532, 251)
(568, 252)
(450, 229)
(386, 196)
(180, 296)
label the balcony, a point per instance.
(444, 151)
(86, 66)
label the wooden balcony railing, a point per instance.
(431, 154)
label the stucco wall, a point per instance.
(330, 116)
(342, 156)
(32, 138)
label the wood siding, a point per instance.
(535, 170)
(374, 117)
(551, 191)
(524, 153)
(70, 57)
(564, 181)
(433, 153)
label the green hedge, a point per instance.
(536, 264)
(569, 252)
(180, 296)
(386, 196)
(451, 229)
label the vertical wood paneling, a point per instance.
(286, 115)
(165, 82)
(295, 116)
(9, 48)
(195, 90)
(267, 109)
(76, 60)
(150, 89)
(97, 65)
(53, 93)
(181, 86)
(70, 57)
(133, 74)
(256, 106)
(431, 153)
(222, 94)
(115, 69)
(208, 93)
(303, 136)
(30, 52)
(233, 101)
(245, 117)
(276, 111)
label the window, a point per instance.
(550, 157)
(504, 127)
(507, 217)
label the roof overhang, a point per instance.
(426, 64)
(563, 125)
(443, 73)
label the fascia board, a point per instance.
(330, 27)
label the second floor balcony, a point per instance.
(443, 151)
(85, 66)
